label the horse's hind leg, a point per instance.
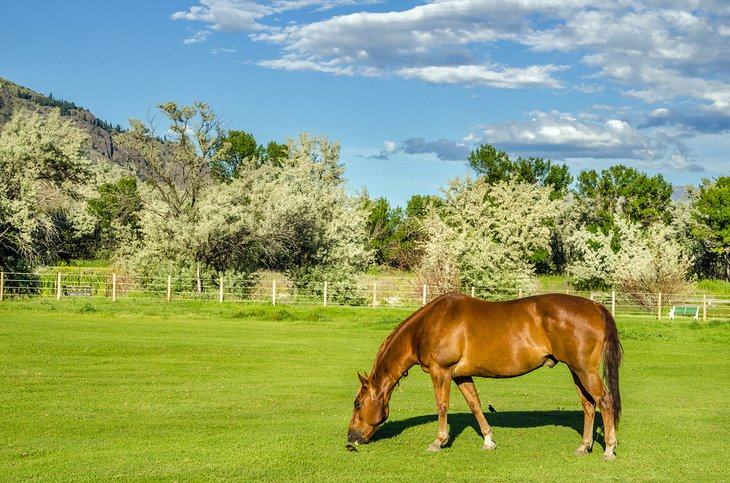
(469, 390)
(593, 385)
(589, 413)
(441, 385)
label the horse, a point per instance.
(456, 337)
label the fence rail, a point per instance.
(381, 292)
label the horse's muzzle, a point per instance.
(356, 437)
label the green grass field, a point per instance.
(93, 390)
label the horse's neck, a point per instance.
(397, 357)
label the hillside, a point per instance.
(13, 96)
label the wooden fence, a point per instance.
(375, 292)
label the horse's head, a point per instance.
(370, 411)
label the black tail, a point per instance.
(612, 355)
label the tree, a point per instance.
(382, 223)
(175, 171)
(43, 166)
(395, 234)
(178, 167)
(274, 153)
(649, 260)
(117, 211)
(237, 149)
(485, 234)
(328, 226)
(712, 217)
(496, 166)
(644, 200)
(408, 240)
(295, 218)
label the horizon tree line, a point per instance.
(203, 199)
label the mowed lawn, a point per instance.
(190, 391)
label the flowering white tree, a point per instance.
(43, 169)
(485, 233)
(631, 258)
(295, 216)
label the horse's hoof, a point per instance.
(609, 457)
(489, 446)
(433, 448)
(582, 451)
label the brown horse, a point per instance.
(456, 337)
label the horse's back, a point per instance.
(505, 339)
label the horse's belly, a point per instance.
(500, 365)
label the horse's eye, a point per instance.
(357, 404)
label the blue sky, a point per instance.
(407, 88)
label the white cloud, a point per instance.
(234, 15)
(444, 149)
(658, 54)
(389, 149)
(490, 76)
(246, 15)
(292, 63)
(670, 55)
(222, 50)
(563, 136)
(572, 137)
(198, 37)
(656, 51)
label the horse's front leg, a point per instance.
(441, 385)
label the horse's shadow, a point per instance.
(459, 422)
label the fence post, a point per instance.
(424, 294)
(704, 305)
(659, 306)
(114, 287)
(169, 288)
(220, 299)
(375, 294)
(2, 285)
(325, 293)
(472, 290)
(58, 287)
(519, 294)
(613, 303)
(273, 292)
(199, 282)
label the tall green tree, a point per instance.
(117, 209)
(395, 234)
(496, 166)
(382, 222)
(235, 149)
(712, 229)
(238, 150)
(642, 198)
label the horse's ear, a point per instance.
(363, 379)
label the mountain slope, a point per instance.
(14, 96)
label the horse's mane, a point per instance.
(400, 327)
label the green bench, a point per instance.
(692, 310)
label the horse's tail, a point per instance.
(612, 355)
